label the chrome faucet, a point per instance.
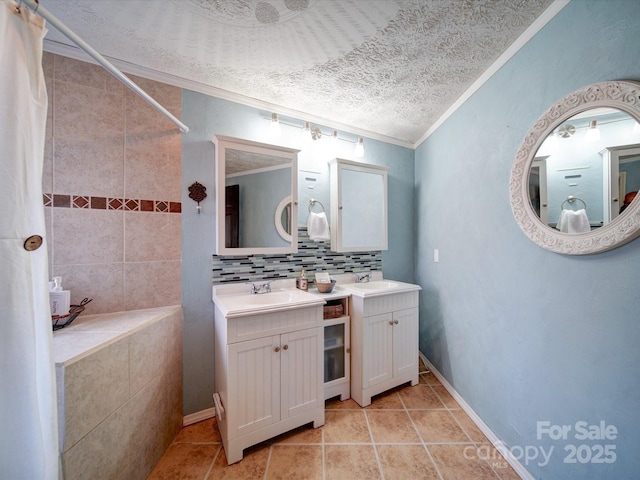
(364, 278)
(260, 288)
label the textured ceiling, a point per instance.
(389, 67)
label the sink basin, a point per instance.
(239, 304)
(379, 287)
(376, 285)
(269, 298)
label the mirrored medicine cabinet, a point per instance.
(358, 206)
(256, 197)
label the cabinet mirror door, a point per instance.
(358, 206)
(255, 198)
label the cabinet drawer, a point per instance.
(274, 323)
(389, 303)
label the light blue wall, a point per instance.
(523, 334)
(207, 116)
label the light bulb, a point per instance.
(359, 150)
(274, 128)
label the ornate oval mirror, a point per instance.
(575, 176)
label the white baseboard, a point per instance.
(199, 416)
(484, 428)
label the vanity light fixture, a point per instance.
(274, 128)
(359, 150)
(306, 130)
(316, 134)
(593, 132)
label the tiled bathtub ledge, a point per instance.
(119, 381)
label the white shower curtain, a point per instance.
(28, 418)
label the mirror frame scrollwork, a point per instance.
(622, 95)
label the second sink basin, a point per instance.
(375, 285)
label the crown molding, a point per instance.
(520, 42)
(133, 69)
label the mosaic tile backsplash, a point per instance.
(311, 256)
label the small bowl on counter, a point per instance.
(325, 287)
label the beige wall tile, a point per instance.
(152, 284)
(103, 283)
(152, 237)
(47, 165)
(83, 236)
(48, 60)
(146, 365)
(87, 458)
(88, 74)
(95, 387)
(146, 417)
(86, 113)
(87, 166)
(153, 168)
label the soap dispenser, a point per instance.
(59, 299)
(302, 282)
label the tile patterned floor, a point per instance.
(407, 433)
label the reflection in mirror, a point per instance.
(581, 187)
(575, 175)
(283, 218)
(256, 184)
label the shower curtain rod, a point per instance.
(62, 28)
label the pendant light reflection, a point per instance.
(593, 133)
(274, 129)
(359, 150)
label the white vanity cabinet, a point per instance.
(268, 375)
(384, 343)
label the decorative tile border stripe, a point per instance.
(110, 203)
(312, 256)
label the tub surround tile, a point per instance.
(90, 167)
(95, 387)
(87, 458)
(164, 289)
(108, 429)
(103, 229)
(163, 246)
(95, 129)
(81, 114)
(86, 74)
(101, 282)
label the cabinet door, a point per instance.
(301, 371)
(254, 384)
(405, 341)
(377, 349)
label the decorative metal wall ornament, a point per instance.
(197, 193)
